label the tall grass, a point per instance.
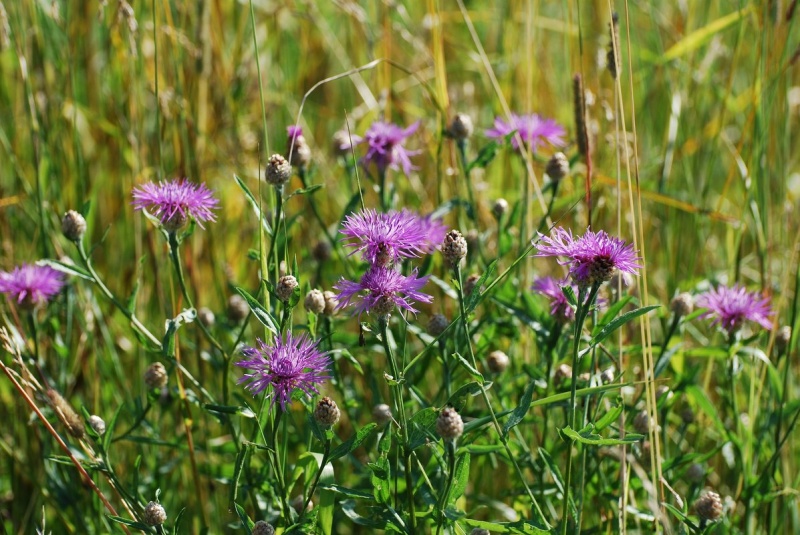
(693, 159)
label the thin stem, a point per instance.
(450, 448)
(462, 153)
(274, 238)
(383, 193)
(485, 395)
(397, 399)
(325, 455)
(176, 262)
(110, 296)
(584, 304)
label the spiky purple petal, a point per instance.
(177, 198)
(379, 285)
(533, 129)
(31, 283)
(730, 307)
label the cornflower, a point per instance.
(386, 238)
(176, 201)
(31, 285)
(288, 365)
(379, 290)
(532, 128)
(730, 307)
(592, 258)
(385, 146)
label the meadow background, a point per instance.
(694, 159)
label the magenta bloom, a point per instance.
(386, 238)
(549, 287)
(31, 285)
(294, 132)
(730, 307)
(533, 129)
(289, 364)
(176, 201)
(379, 291)
(385, 142)
(592, 258)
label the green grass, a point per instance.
(94, 101)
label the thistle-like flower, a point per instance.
(592, 258)
(176, 201)
(387, 238)
(31, 285)
(385, 142)
(560, 308)
(380, 289)
(289, 364)
(533, 129)
(730, 307)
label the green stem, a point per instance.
(485, 395)
(325, 456)
(383, 193)
(462, 153)
(110, 296)
(176, 262)
(584, 304)
(450, 448)
(397, 399)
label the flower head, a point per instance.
(592, 258)
(174, 202)
(294, 132)
(379, 291)
(31, 285)
(549, 287)
(289, 364)
(533, 129)
(730, 307)
(386, 238)
(385, 142)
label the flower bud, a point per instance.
(500, 208)
(682, 304)
(461, 128)
(557, 167)
(454, 247)
(782, 339)
(73, 225)
(206, 317)
(315, 302)
(708, 507)
(449, 425)
(97, 423)
(238, 309)
(437, 324)
(285, 287)
(327, 412)
(497, 361)
(154, 514)
(382, 414)
(331, 302)
(263, 528)
(279, 171)
(156, 376)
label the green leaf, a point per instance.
(110, 427)
(608, 418)
(459, 398)
(247, 412)
(470, 369)
(353, 442)
(237, 473)
(350, 493)
(129, 523)
(522, 409)
(381, 480)
(701, 36)
(612, 326)
(69, 269)
(586, 436)
(421, 426)
(475, 297)
(258, 311)
(251, 200)
(485, 155)
(246, 522)
(304, 191)
(610, 314)
(460, 478)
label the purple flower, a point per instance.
(533, 129)
(592, 258)
(174, 202)
(31, 285)
(560, 308)
(381, 287)
(294, 132)
(289, 364)
(730, 307)
(385, 142)
(386, 238)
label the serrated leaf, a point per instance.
(353, 442)
(258, 311)
(522, 409)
